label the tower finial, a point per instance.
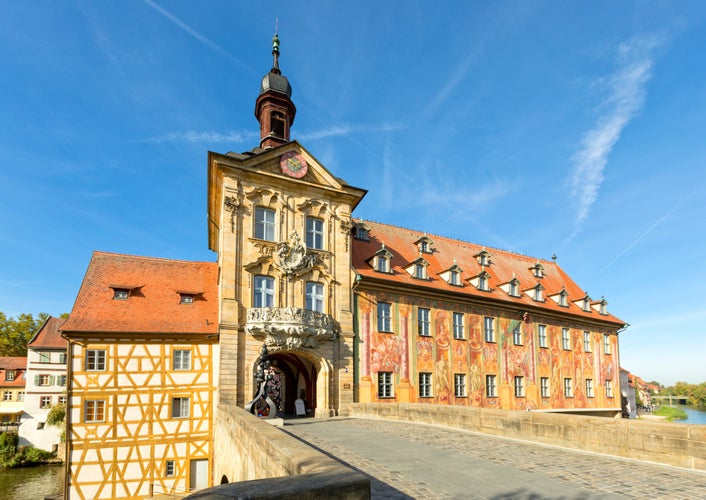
(275, 49)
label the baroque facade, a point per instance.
(348, 310)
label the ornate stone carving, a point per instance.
(293, 258)
(232, 204)
(290, 328)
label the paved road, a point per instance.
(405, 460)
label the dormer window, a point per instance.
(586, 304)
(602, 309)
(361, 233)
(420, 271)
(483, 258)
(538, 270)
(454, 277)
(514, 287)
(10, 375)
(186, 298)
(537, 293)
(481, 281)
(121, 293)
(425, 244)
(382, 264)
(563, 298)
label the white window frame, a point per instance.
(606, 344)
(517, 335)
(314, 296)
(568, 387)
(420, 271)
(609, 388)
(384, 310)
(519, 385)
(425, 386)
(265, 224)
(423, 322)
(382, 264)
(95, 360)
(7, 396)
(586, 341)
(263, 291)
(542, 335)
(454, 278)
(314, 233)
(386, 388)
(544, 387)
(181, 407)
(589, 387)
(460, 385)
(458, 326)
(45, 402)
(482, 283)
(94, 410)
(181, 359)
(491, 387)
(565, 339)
(489, 329)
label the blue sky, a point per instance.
(568, 128)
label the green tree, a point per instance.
(16, 333)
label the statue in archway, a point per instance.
(262, 404)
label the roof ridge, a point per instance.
(147, 257)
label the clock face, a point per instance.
(293, 164)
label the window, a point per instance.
(7, 396)
(385, 389)
(45, 402)
(21, 396)
(586, 341)
(602, 307)
(424, 246)
(542, 335)
(488, 328)
(483, 258)
(94, 411)
(514, 288)
(264, 224)
(61, 380)
(180, 407)
(454, 278)
(586, 304)
(186, 298)
(538, 270)
(314, 296)
(44, 379)
(10, 375)
(384, 317)
(544, 386)
(121, 293)
(420, 271)
(264, 292)
(360, 233)
(538, 294)
(62, 400)
(517, 335)
(609, 388)
(589, 388)
(490, 387)
(565, 339)
(423, 322)
(95, 360)
(62, 358)
(606, 344)
(458, 326)
(562, 299)
(460, 385)
(169, 468)
(181, 359)
(44, 357)
(425, 385)
(483, 282)
(383, 264)
(314, 233)
(568, 388)
(519, 387)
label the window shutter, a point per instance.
(36, 380)
(51, 379)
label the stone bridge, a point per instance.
(425, 451)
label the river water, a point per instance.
(31, 483)
(696, 416)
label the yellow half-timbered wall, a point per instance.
(125, 440)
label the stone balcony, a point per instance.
(290, 328)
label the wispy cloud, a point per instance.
(191, 31)
(341, 130)
(201, 136)
(626, 91)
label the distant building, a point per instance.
(627, 395)
(12, 388)
(46, 385)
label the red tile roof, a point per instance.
(13, 362)
(48, 336)
(153, 305)
(504, 266)
(18, 365)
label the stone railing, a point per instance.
(680, 445)
(290, 327)
(253, 459)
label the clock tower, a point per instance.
(274, 108)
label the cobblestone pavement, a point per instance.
(407, 460)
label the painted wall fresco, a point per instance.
(407, 354)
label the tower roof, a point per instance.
(275, 80)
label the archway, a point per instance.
(294, 377)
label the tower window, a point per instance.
(277, 124)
